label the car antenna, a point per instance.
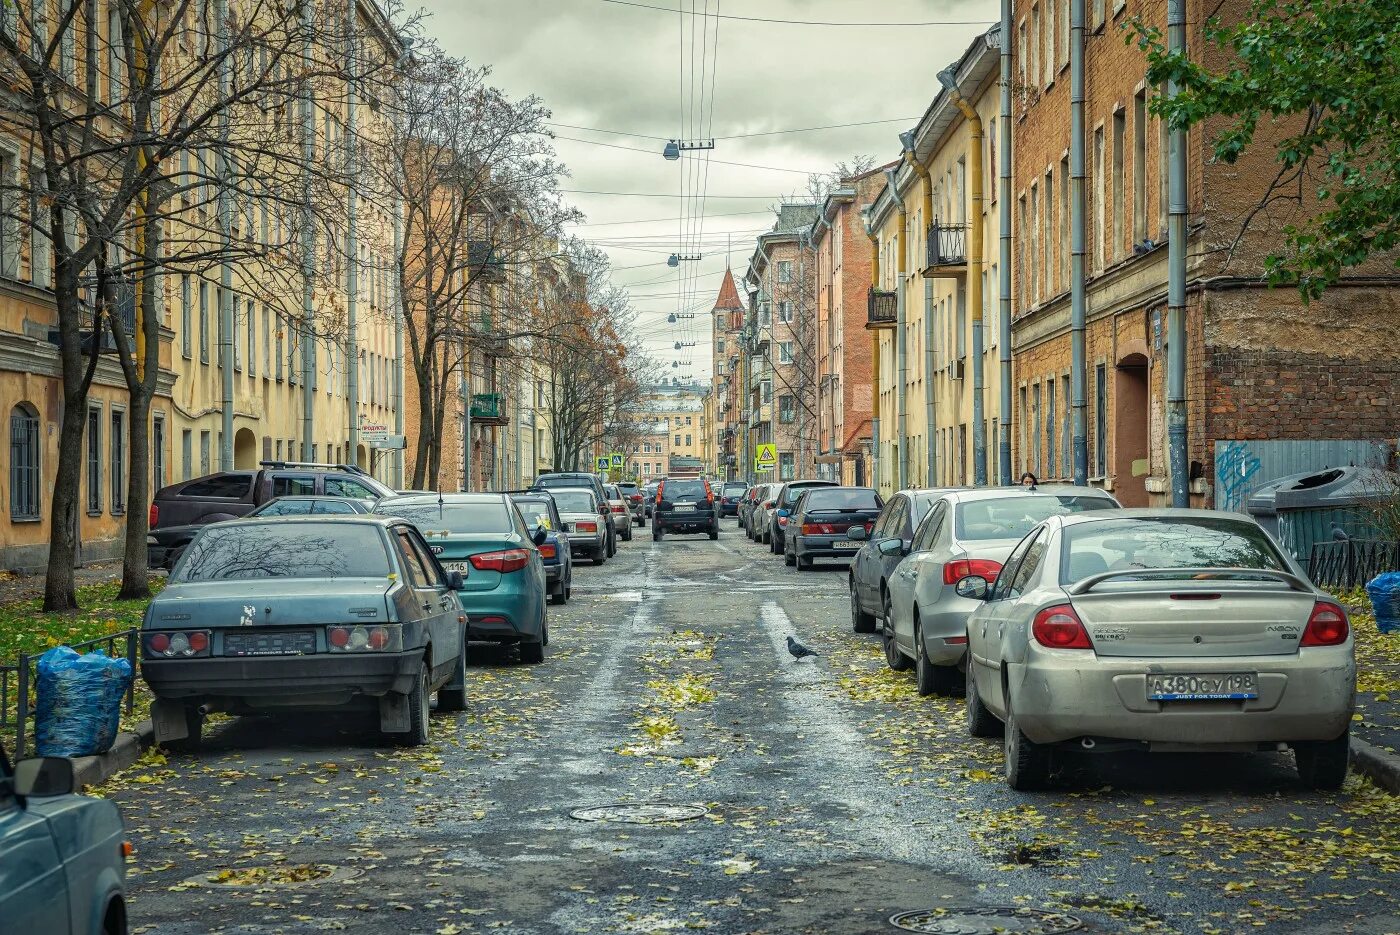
(440, 519)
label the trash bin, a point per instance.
(1263, 502)
(1384, 592)
(1312, 507)
(80, 702)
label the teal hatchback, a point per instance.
(484, 536)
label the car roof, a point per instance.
(375, 519)
(970, 494)
(1075, 519)
(445, 498)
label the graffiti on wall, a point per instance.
(1235, 468)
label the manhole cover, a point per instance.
(280, 875)
(986, 920)
(640, 813)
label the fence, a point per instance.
(1351, 563)
(17, 683)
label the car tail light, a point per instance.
(358, 639)
(586, 527)
(178, 644)
(635, 498)
(819, 529)
(506, 560)
(1326, 627)
(1059, 627)
(869, 527)
(493, 619)
(548, 550)
(153, 517)
(782, 520)
(953, 572)
(620, 508)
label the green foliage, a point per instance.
(24, 628)
(1329, 71)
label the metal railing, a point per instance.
(18, 682)
(1351, 563)
(882, 308)
(947, 244)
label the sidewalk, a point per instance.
(1377, 689)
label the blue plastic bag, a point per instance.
(80, 702)
(1384, 592)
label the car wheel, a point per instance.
(532, 653)
(600, 555)
(656, 533)
(417, 733)
(628, 537)
(612, 545)
(559, 597)
(1027, 763)
(929, 678)
(774, 545)
(895, 659)
(194, 738)
(114, 922)
(455, 699)
(980, 721)
(1322, 764)
(789, 559)
(861, 622)
(804, 563)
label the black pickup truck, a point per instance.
(180, 510)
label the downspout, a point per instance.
(224, 208)
(1078, 379)
(930, 413)
(901, 358)
(398, 349)
(974, 276)
(352, 248)
(1176, 277)
(308, 253)
(874, 361)
(1004, 319)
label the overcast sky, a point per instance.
(616, 67)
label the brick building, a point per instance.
(1260, 365)
(727, 395)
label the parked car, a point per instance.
(730, 493)
(760, 514)
(821, 521)
(539, 509)
(484, 538)
(967, 532)
(308, 506)
(593, 482)
(686, 506)
(303, 613)
(872, 567)
(1158, 630)
(649, 498)
(621, 509)
(745, 507)
(636, 501)
(178, 511)
(62, 856)
(783, 502)
(579, 509)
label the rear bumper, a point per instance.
(317, 677)
(947, 620)
(1062, 695)
(821, 547)
(519, 618)
(686, 522)
(594, 543)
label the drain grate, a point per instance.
(986, 920)
(281, 875)
(640, 813)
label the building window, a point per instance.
(1064, 223)
(94, 460)
(158, 452)
(1047, 240)
(186, 454)
(1050, 426)
(186, 318)
(117, 442)
(203, 453)
(203, 322)
(267, 342)
(719, 346)
(784, 352)
(1036, 263)
(787, 466)
(766, 387)
(678, 440)
(1120, 128)
(24, 462)
(252, 339)
(1048, 58)
(784, 271)
(687, 440)
(787, 408)
(1098, 198)
(1035, 429)
(1033, 47)
(1064, 33)
(1025, 418)
(785, 312)
(1100, 420)
(1066, 446)
(1140, 167)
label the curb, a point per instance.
(127, 749)
(1380, 765)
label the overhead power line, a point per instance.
(670, 217)
(583, 191)
(743, 136)
(648, 152)
(798, 22)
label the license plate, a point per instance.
(269, 644)
(1231, 686)
(463, 567)
(684, 508)
(845, 544)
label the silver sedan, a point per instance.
(1158, 630)
(965, 532)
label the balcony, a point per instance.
(947, 248)
(484, 262)
(882, 310)
(488, 407)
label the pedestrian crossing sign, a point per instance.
(617, 459)
(767, 456)
(601, 463)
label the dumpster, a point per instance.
(1263, 502)
(1310, 509)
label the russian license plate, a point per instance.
(463, 567)
(1229, 686)
(685, 508)
(269, 644)
(845, 544)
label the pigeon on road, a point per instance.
(798, 650)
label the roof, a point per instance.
(729, 294)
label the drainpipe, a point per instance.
(398, 347)
(308, 253)
(352, 248)
(224, 208)
(1176, 278)
(901, 363)
(949, 79)
(930, 416)
(1078, 378)
(1004, 169)
(874, 362)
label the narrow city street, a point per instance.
(833, 796)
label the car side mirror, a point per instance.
(44, 776)
(973, 587)
(455, 581)
(856, 534)
(604, 510)
(540, 536)
(891, 546)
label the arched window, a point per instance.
(24, 462)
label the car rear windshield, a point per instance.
(1166, 543)
(230, 486)
(792, 492)
(684, 490)
(286, 549)
(841, 498)
(293, 507)
(535, 512)
(1013, 517)
(457, 517)
(574, 501)
(735, 488)
(564, 480)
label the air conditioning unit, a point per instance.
(957, 369)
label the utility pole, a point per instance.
(1176, 278)
(1004, 319)
(1078, 297)
(352, 245)
(398, 345)
(308, 251)
(224, 208)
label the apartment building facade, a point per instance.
(726, 388)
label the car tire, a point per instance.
(929, 678)
(532, 653)
(628, 537)
(896, 660)
(114, 920)
(1322, 764)
(559, 597)
(1027, 763)
(418, 700)
(612, 545)
(789, 559)
(600, 555)
(194, 738)
(774, 545)
(656, 532)
(981, 722)
(804, 563)
(861, 622)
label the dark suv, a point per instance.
(730, 493)
(684, 505)
(181, 510)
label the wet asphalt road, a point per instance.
(837, 797)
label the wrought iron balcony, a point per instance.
(947, 245)
(487, 407)
(882, 309)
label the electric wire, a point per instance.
(799, 22)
